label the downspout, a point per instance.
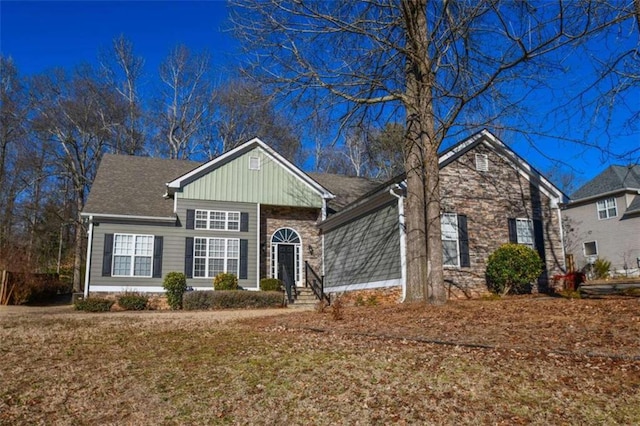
(324, 217)
(403, 241)
(564, 252)
(258, 248)
(87, 271)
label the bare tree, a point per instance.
(438, 62)
(184, 105)
(244, 111)
(77, 114)
(122, 70)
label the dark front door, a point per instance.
(286, 262)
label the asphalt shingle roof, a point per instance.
(347, 189)
(612, 179)
(134, 186)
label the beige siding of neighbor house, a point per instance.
(617, 238)
(234, 181)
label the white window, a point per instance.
(132, 255)
(524, 231)
(482, 162)
(212, 256)
(607, 208)
(450, 246)
(217, 220)
(254, 163)
(590, 249)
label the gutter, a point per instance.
(602, 195)
(91, 216)
(403, 238)
(87, 272)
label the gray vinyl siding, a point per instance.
(173, 256)
(364, 250)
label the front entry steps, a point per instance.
(305, 299)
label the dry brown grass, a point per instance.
(517, 361)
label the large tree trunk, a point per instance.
(424, 246)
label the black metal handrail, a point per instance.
(316, 283)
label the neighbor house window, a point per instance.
(590, 249)
(132, 255)
(212, 256)
(524, 232)
(217, 220)
(607, 208)
(450, 248)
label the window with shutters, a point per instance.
(132, 255)
(450, 239)
(216, 220)
(212, 256)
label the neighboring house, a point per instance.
(490, 196)
(603, 220)
(253, 213)
(249, 212)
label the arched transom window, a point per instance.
(286, 251)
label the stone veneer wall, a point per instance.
(489, 199)
(303, 221)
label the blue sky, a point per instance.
(44, 35)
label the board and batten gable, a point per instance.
(268, 183)
(365, 251)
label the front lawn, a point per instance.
(513, 361)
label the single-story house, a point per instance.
(253, 213)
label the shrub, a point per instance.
(601, 268)
(94, 304)
(225, 281)
(231, 299)
(175, 284)
(512, 268)
(133, 301)
(337, 311)
(271, 284)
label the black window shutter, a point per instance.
(513, 231)
(538, 235)
(244, 222)
(157, 256)
(107, 255)
(463, 239)
(191, 216)
(188, 257)
(244, 259)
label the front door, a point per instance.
(287, 263)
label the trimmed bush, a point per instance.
(225, 281)
(271, 284)
(512, 268)
(94, 304)
(175, 284)
(230, 299)
(133, 302)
